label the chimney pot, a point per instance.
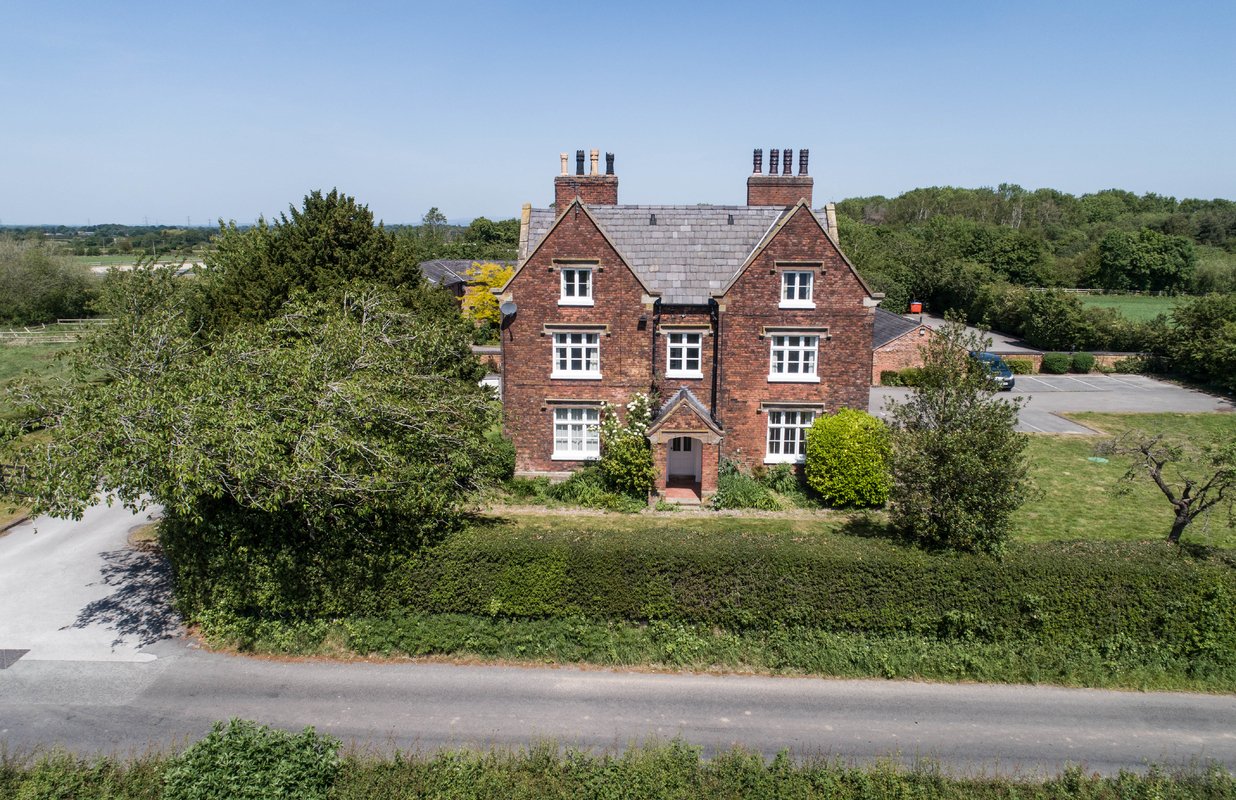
(609, 163)
(579, 162)
(802, 161)
(757, 161)
(774, 161)
(787, 161)
(564, 163)
(594, 156)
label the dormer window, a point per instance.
(576, 287)
(797, 288)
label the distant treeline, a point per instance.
(432, 238)
(941, 244)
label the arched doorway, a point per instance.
(684, 459)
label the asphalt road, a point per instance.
(91, 659)
(1048, 395)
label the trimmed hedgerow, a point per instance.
(1055, 363)
(1143, 594)
(1081, 363)
(890, 377)
(1020, 366)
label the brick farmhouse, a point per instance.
(746, 321)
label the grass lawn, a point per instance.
(41, 358)
(110, 261)
(1079, 502)
(1137, 307)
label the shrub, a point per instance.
(501, 461)
(890, 377)
(847, 458)
(1056, 363)
(959, 465)
(910, 376)
(782, 479)
(1132, 365)
(248, 761)
(589, 487)
(737, 489)
(626, 459)
(1020, 366)
(1081, 363)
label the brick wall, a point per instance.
(778, 190)
(527, 353)
(844, 360)
(900, 353)
(697, 318)
(593, 190)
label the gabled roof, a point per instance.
(448, 271)
(687, 397)
(691, 251)
(889, 326)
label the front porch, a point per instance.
(683, 490)
(686, 448)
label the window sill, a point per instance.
(684, 375)
(575, 376)
(574, 456)
(797, 304)
(793, 378)
(571, 301)
(783, 459)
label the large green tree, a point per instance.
(959, 466)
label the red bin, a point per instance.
(916, 307)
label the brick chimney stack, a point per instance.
(594, 189)
(779, 187)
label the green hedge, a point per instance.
(1081, 363)
(1146, 594)
(1055, 363)
(1020, 366)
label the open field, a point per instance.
(1137, 307)
(102, 261)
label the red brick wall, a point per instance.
(900, 353)
(844, 361)
(527, 354)
(778, 190)
(698, 318)
(593, 190)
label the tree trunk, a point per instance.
(1182, 521)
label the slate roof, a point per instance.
(449, 271)
(889, 326)
(689, 253)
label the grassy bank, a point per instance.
(1136, 307)
(651, 772)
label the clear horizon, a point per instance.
(144, 113)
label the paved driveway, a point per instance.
(76, 591)
(1048, 395)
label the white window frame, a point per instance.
(580, 437)
(795, 349)
(792, 288)
(670, 344)
(563, 347)
(792, 433)
(574, 284)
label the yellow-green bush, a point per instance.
(847, 459)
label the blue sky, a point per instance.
(167, 112)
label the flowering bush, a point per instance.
(626, 458)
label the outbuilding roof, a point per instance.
(889, 326)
